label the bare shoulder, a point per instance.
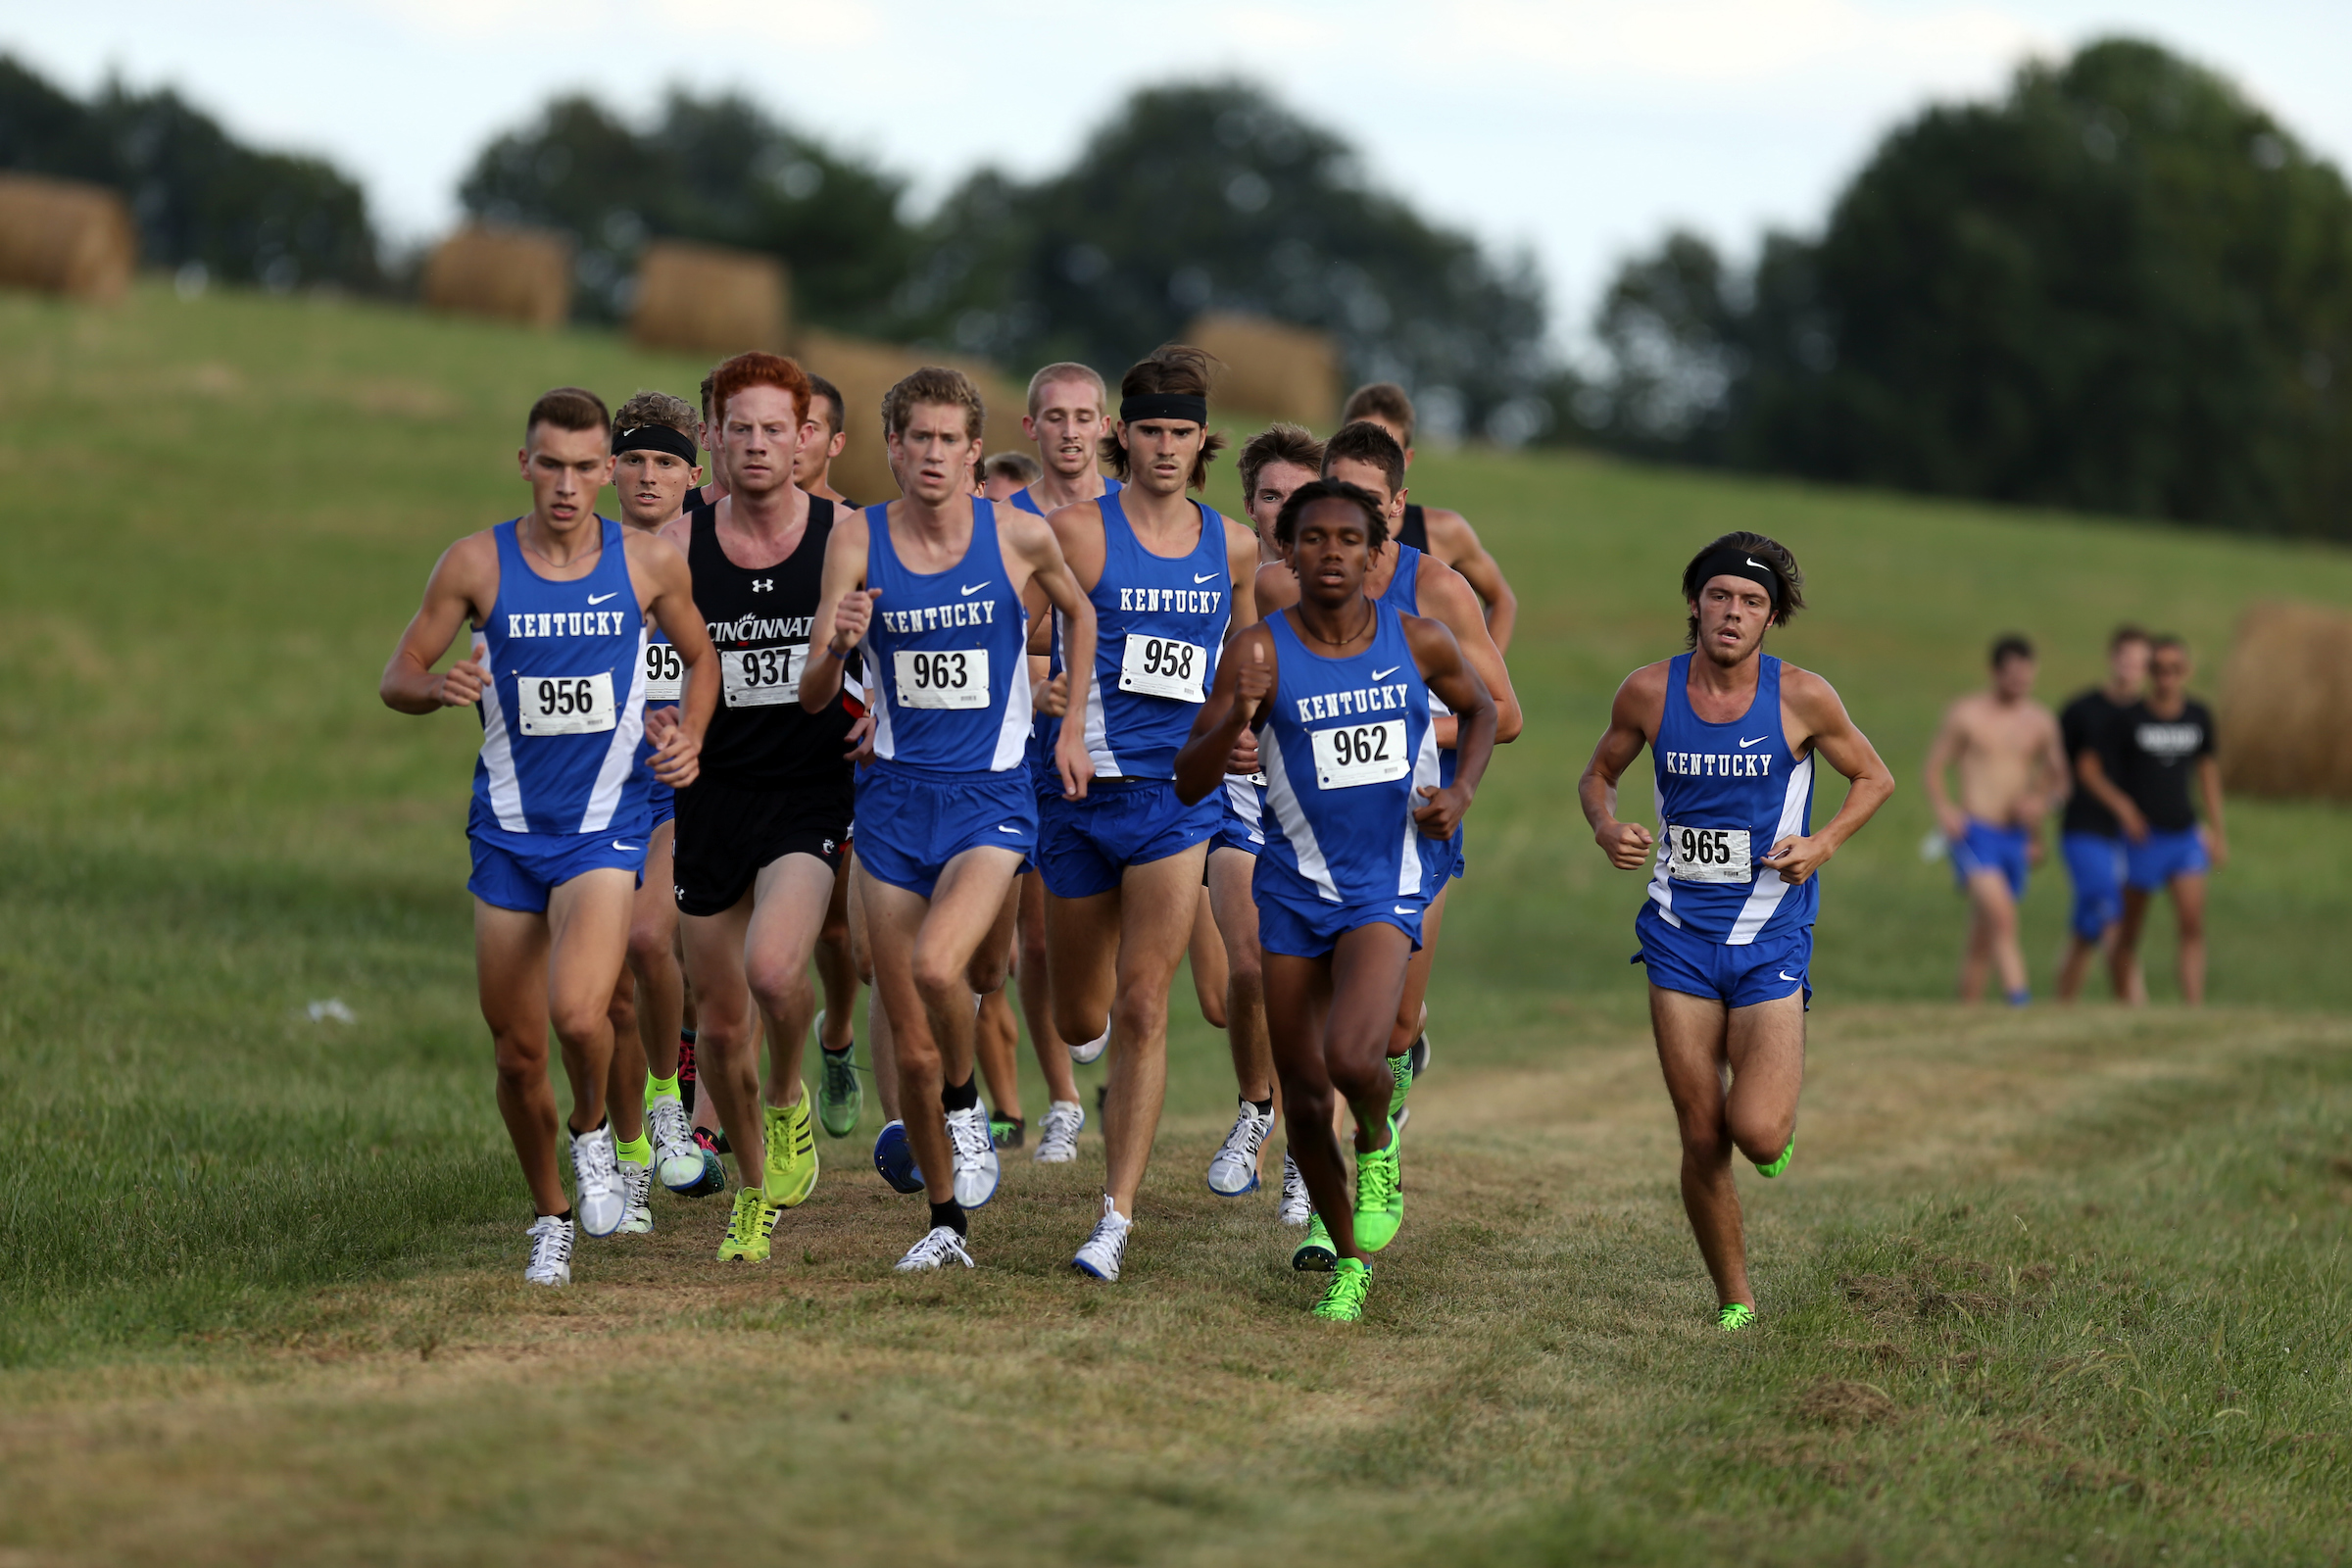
(1438, 586)
(471, 560)
(1080, 514)
(1812, 696)
(678, 532)
(1449, 531)
(1277, 586)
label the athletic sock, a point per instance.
(566, 1216)
(660, 1088)
(638, 1151)
(842, 1052)
(960, 1097)
(1265, 1107)
(602, 1122)
(950, 1214)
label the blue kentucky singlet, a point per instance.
(1047, 729)
(565, 708)
(947, 656)
(1346, 746)
(1727, 793)
(1159, 624)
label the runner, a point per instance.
(559, 818)
(1168, 577)
(1364, 455)
(654, 466)
(2160, 743)
(760, 833)
(1433, 530)
(1273, 462)
(2089, 836)
(1357, 815)
(1007, 473)
(931, 585)
(1727, 933)
(704, 497)
(2012, 765)
(1065, 419)
(812, 466)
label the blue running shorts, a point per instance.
(2165, 856)
(1292, 921)
(2094, 863)
(1084, 846)
(912, 822)
(517, 870)
(1987, 847)
(1242, 824)
(1773, 967)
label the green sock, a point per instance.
(638, 1151)
(660, 1088)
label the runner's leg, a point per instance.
(727, 1035)
(877, 1016)
(2123, 958)
(1236, 913)
(1992, 938)
(2188, 908)
(1036, 997)
(1207, 952)
(837, 968)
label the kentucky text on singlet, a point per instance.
(565, 707)
(1159, 624)
(947, 656)
(1727, 793)
(759, 619)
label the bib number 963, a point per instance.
(1351, 755)
(947, 677)
(664, 673)
(565, 705)
(1164, 667)
(1707, 854)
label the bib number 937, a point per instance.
(763, 677)
(1708, 854)
(1351, 755)
(946, 677)
(565, 705)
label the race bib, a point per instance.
(1706, 855)
(564, 705)
(763, 677)
(952, 677)
(664, 673)
(1164, 667)
(1350, 756)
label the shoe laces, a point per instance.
(636, 1184)
(1249, 1130)
(593, 1157)
(1348, 1288)
(668, 1120)
(550, 1243)
(968, 1130)
(1376, 1176)
(1063, 1119)
(941, 1244)
(841, 1073)
(1110, 1230)
(742, 1225)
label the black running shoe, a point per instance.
(1419, 1054)
(714, 1169)
(1007, 1132)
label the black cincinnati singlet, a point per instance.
(1414, 529)
(760, 620)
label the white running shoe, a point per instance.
(551, 1251)
(976, 1167)
(1093, 1049)
(596, 1190)
(1297, 1207)
(935, 1250)
(1057, 1135)
(678, 1157)
(1232, 1169)
(636, 1196)
(1103, 1250)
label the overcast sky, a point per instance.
(1575, 128)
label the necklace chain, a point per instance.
(1373, 612)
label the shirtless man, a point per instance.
(2011, 770)
(1434, 530)
(823, 433)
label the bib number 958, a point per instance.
(1351, 755)
(1164, 667)
(565, 705)
(947, 677)
(1707, 854)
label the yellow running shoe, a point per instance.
(1343, 1297)
(791, 1174)
(747, 1228)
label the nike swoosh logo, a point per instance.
(1758, 565)
(1758, 741)
(1212, 577)
(975, 588)
(626, 849)
(1401, 910)
(1384, 675)
(1786, 975)
(598, 598)
(1002, 828)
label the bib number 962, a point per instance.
(1164, 667)
(946, 677)
(565, 705)
(1707, 854)
(1351, 755)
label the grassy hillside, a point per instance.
(2058, 1284)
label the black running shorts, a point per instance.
(726, 833)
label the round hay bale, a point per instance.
(67, 238)
(864, 370)
(709, 298)
(506, 273)
(2286, 704)
(1270, 367)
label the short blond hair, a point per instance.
(1067, 371)
(935, 384)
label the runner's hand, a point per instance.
(1442, 812)
(862, 739)
(1627, 845)
(2217, 846)
(1254, 679)
(1073, 763)
(1052, 697)
(677, 756)
(851, 616)
(461, 685)
(1798, 858)
(1243, 759)
(2134, 825)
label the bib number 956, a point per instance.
(946, 677)
(1707, 854)
(1351, 755)
(565, 705)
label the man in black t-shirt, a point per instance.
(2160, 743)
(2088, 835)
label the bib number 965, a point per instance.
(947, 677)
(1707, 854)
(1164, 667)
(565, 705)
(1351, 755)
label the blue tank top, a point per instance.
(1022, 499)
(1159, 624)
(564, 710)
(1347, 746)
(947, 656)
(1727, 793)
(665, 675)
(1046, 728)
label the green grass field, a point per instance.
(2041, 1288)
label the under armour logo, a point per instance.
(761, 585)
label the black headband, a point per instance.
(655, 438)
(1164, 406)
(1737, 564)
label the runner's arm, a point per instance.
(844, 607)
(678, 733)
(1447, 595)
(1453, 677)
(1456, 543)
(2061, 778)
(1832, 733)
(1634, 717)
(2209, 784)
(1942, 751)
(1244, 675)
(2092, 773)
(1039, 547)
(1241, 563)
(462, 587)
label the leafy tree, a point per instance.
(196, 194)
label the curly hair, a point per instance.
(1769, 552)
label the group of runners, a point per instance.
(1034, 720)
(2130, 760)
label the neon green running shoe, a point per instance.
(1735, 1316)
(839, 1097)
(1379, 1195)
(1343, 1297)
(791, 1174)
(1400, 1073)
(1315, 1254)
(1781, 1164)
(747, 1228)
